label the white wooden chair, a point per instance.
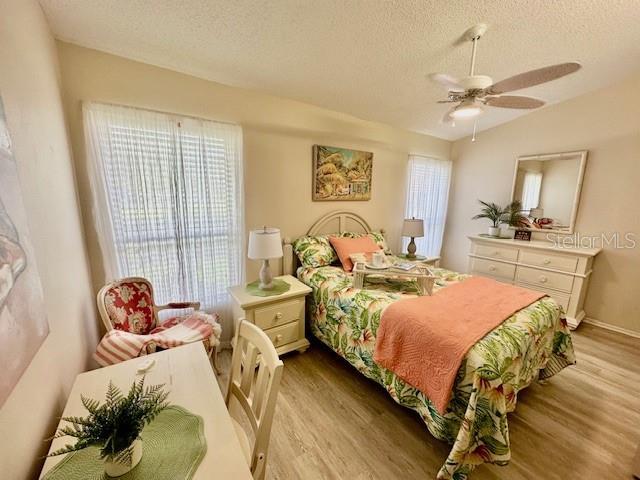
(255, 393)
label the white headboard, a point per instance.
(334, 222)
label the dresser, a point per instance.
(280, 316)
(562, 273)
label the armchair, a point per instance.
(128, 305)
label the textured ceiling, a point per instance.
(369, 58)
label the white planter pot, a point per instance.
(113, 469)
(507, 232)
(494, 231)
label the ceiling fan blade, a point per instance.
(533, 77)
(447, 81)
(514, 101)
(447, 119)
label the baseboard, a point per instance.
(613, 328)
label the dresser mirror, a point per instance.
(548, 187)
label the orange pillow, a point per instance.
(345, 246)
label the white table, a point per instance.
(187, 373)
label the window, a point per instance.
(427, 195)
(168, 200)
(531, 190)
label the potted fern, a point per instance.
(494, 213)
(513, 217)
(115, 425)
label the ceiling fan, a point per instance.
(474, 92)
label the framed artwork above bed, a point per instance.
(341, 174)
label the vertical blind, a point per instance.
(427, 195)
(168, 200)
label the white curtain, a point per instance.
(531, 185)
(427, 196)
(168, 195)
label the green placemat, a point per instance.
(173, 447)
(404, 256)
(279, 287)
(486, 235)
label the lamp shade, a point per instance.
(413, 227)
(265, 243)
(536, 212)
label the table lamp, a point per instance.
(412, 227)
(536, 213)
(264, 244)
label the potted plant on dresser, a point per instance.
(115, 425)
(510, 215)
(513, 218)
(493, 212)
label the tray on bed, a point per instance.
(421, 273)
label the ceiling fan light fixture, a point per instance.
(467, 109)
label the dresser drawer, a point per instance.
(560, 298)
(494, 269)
(542, 278)
(565, 263)
(279, 313)
(497, 252)
(283, 334)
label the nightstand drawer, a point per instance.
(550, 260)
(283, 334)
(494, 269)
(499, 253)
(542, 278)
(279, 313)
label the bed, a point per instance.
(532, 344)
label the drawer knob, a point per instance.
(543, 279)
(497, 253)
(546, 261)
(278, 339)
(279, 315)
(492, 268)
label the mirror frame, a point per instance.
(582, 154)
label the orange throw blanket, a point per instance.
(423, 340)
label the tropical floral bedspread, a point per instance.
(534, 342)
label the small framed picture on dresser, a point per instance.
(524, 235)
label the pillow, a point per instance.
(314, 251)
(380, 241)
(345, 246)
(377, 237)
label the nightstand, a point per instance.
(280, 316)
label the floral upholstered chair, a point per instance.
(127, 305)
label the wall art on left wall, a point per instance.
(23, 321)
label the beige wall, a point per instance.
(278, 138)
(29, 86)
(606, 123)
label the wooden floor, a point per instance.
(333, 423)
